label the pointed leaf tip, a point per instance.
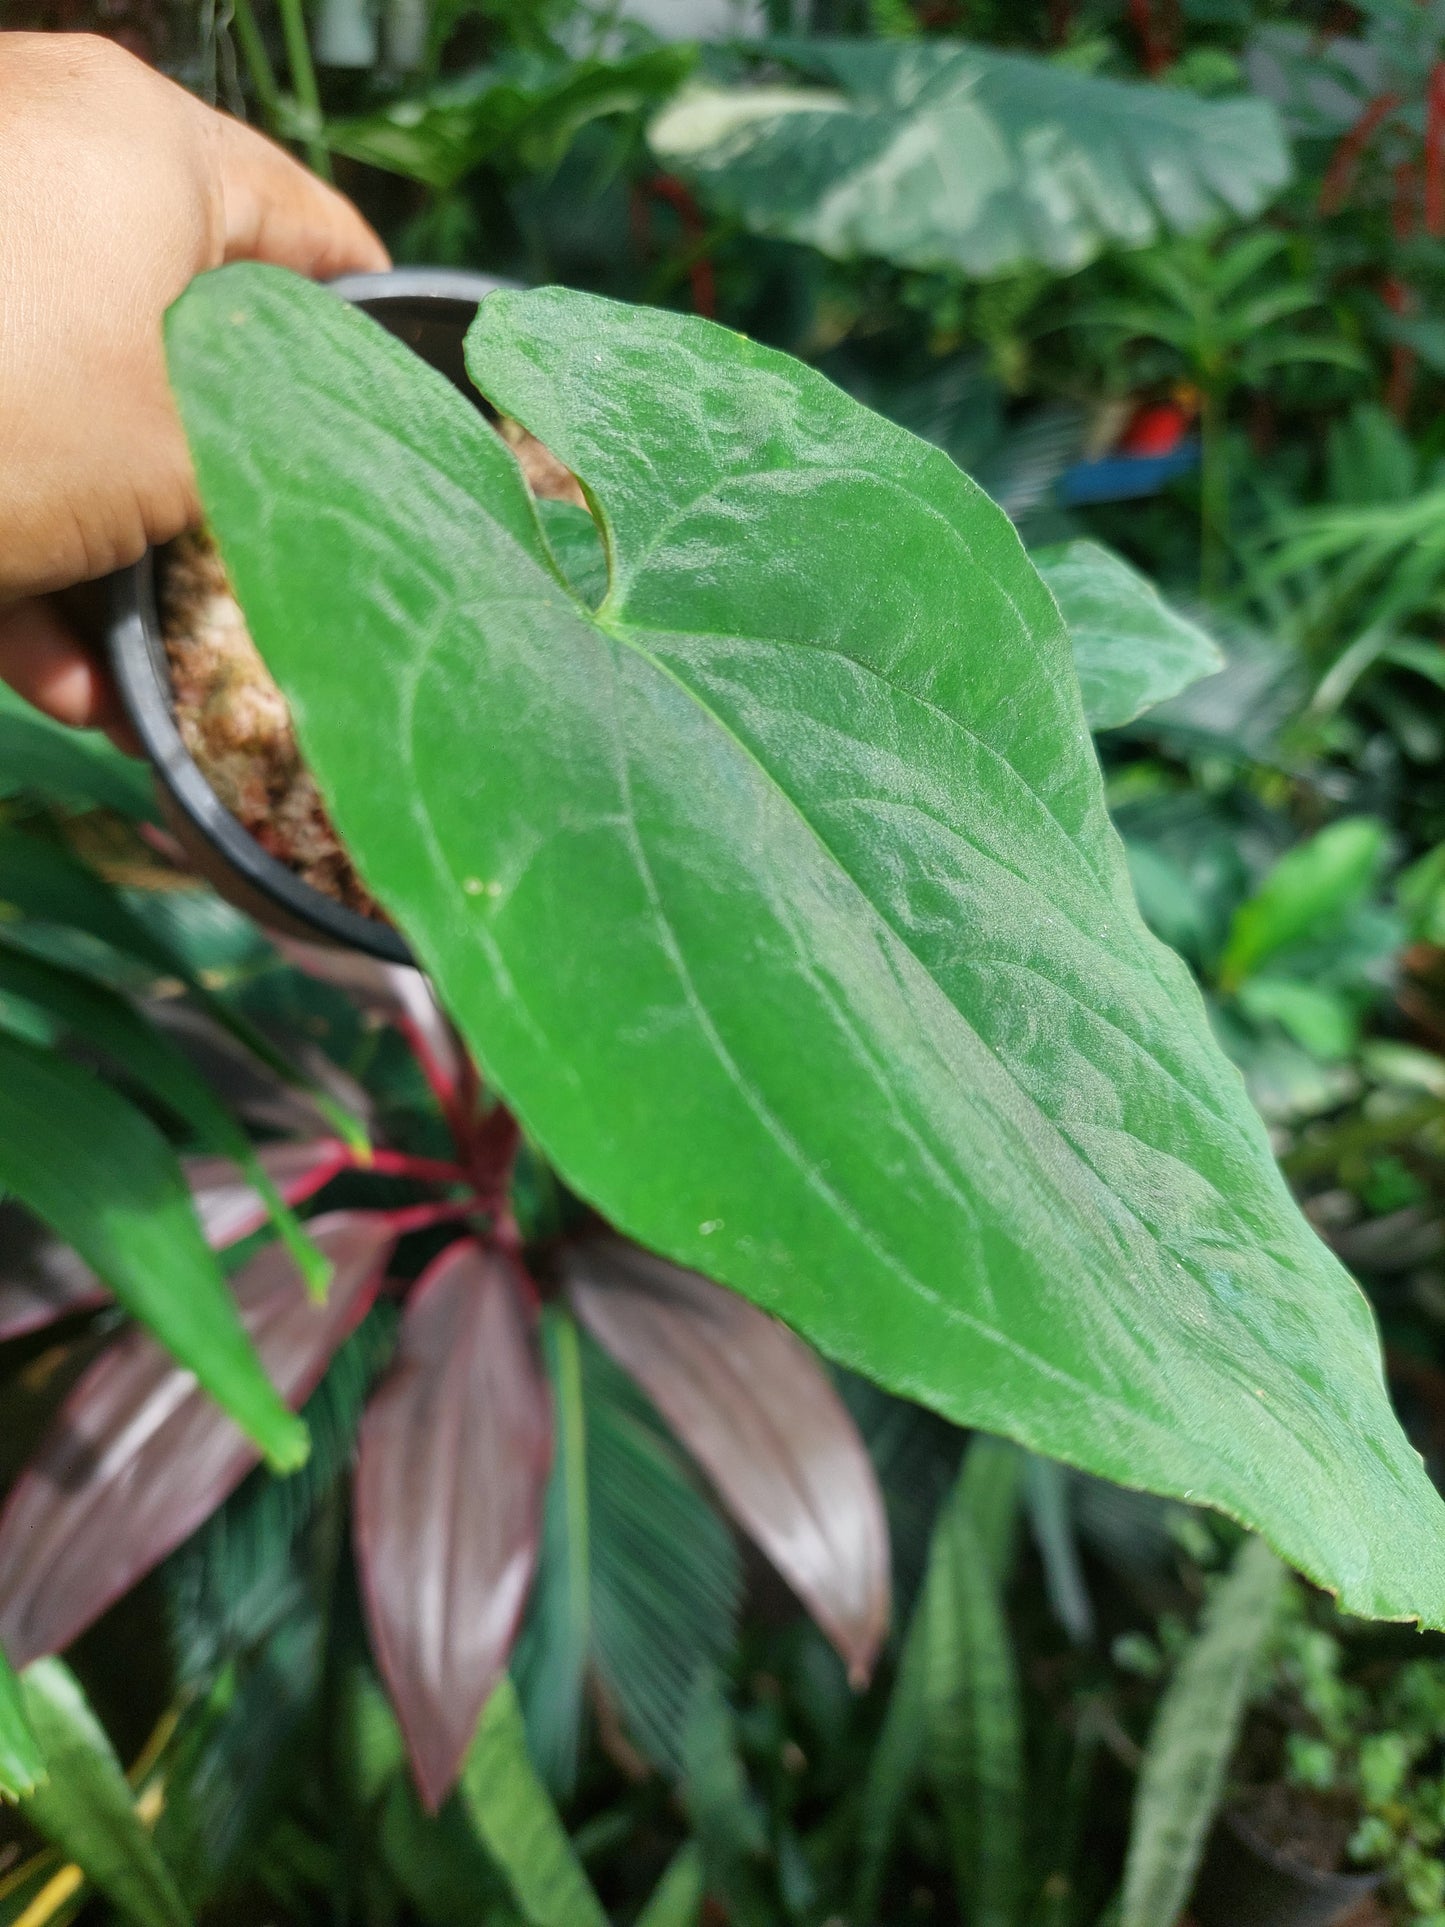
(760, 1415)
(451, 1471)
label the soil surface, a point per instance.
(234, 720)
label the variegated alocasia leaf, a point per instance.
(778, 895)
(936, 154)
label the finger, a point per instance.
(42, 660)
(278, 212)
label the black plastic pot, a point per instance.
(430, 309)
(1246, 1883)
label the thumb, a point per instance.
(274, 210)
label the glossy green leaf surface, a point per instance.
(934, 154)
(85, 1806)
(22, 1766)
(1131, 650)
(779, 898)
(104, 1179)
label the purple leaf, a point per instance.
(759, 1414)
(41, 1279)
(395, 993)
(138, 1455)
(452, 1465)
(230, 1208)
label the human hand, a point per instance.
(116, 188)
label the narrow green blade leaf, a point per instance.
(783, 905)
(550, 1660)
(1131, 650)
(104, 1179)
(726, 1819)
(519, 1826)
(1194, 1734)
(22, 1766)
(677, 1901)
(105, 1018)
(85, 1806)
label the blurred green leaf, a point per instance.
(86, 1808)
(677, 1901)
(519, 114)
(68, 766)
(1311, 887)
(1131, 650)
(105, 1180)
(933, 154)
(726, 1817)
(22, 1766)
(517, 1823)
(1193, 1736)
(1323, 1021)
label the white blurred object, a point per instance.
(696, 19)
(346, 34)
(406, 31)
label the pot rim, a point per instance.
(138, 663)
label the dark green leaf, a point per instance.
(85, 1806)
(783, 905)
(1131, 650)
(519, 1826)
(522, 113)
(932, 154)
(726, 1818)
(665, 1576)
(1194, 1734)
(104, 1179)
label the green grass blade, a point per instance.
(1194, 1734)
(86, 1809)
(517, 1823)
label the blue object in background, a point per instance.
(1123, 478)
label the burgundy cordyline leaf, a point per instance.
(452, 1465)
(138, 1455)
(41, 1279)
(252, 1089)
(757, 1411)
(228, 1206)
(394, 992)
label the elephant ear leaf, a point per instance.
(933, 154)
(778, 896)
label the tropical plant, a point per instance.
(770, 1054)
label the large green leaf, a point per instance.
(933, 154)
(22, 1766)
(1130, 648)
(1195, 1729)
(85, 1806)
(104, 1179)
(779, 897)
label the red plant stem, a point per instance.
(1061, 21)
(440, 1084)
(1340, 174)
(667, 187)
(1152, 50)
(398, 1164)
(421, 1217)
(1405, 202)
(1435, 151)
(1401, 383)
